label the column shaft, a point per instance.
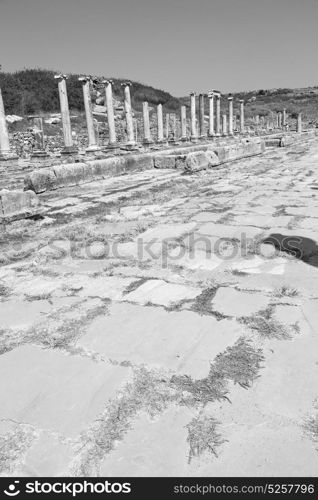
(201, 116)
(146, 121)
(224, 125)
(183, 123)
(65, 115)
(218, 115)
(128, 114)
(230, 99)
(242, 118)
(92, 143)
(299, 124)
(4, 134)
(194, 134)
(160, 123)
(110, 114)
(211, 114)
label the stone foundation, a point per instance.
(73, 174)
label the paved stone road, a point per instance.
(147, 330)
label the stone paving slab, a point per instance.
(56, 392)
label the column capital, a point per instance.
(217, 94)
(107, 82)
(210, 94)
(126, 84)
(241, 101)
(230, 98)
(61, 77)
(85, 78)
(193, 94)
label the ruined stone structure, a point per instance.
(134, 133)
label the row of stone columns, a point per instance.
(218, 125)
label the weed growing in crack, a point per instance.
(134, 285)
(4, 291)
(13, 447)
(265, 325)
(203, 304)
(285, 291)
(203, 436)
(311, 428)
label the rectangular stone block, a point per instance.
(16, 205)
(165, 161)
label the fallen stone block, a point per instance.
(199, 160)
(165, 161)
(40, 180)
(16, 205)
(273, 142)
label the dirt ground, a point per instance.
(146, 328)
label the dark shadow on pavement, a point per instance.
(300, 247)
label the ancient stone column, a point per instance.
(39, 150)
(211, 114)
(194, 135)
(173, 121)
(129, 117)
(5, 150)
(112, 142)
(146, 121)
(279, 119)
(167, 126)
(230, 99)
(92, 142)
(218, 113)
(242, 120)
(257, 119)
(224, 125)
(160, 123)
(299, 124)
(201, 117)
(284, 118)
(183, 123)
(69, 147)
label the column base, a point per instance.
(69, 150)
(92, 149)
(184, 139)
(130, 145)
(39, 154)
(147, 142)
(8, 155)
(194, 138)
(112, 145)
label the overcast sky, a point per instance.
(176, 45)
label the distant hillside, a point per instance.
(35, 90)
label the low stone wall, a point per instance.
(283, 140)
(16, 205)
(189, 158)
